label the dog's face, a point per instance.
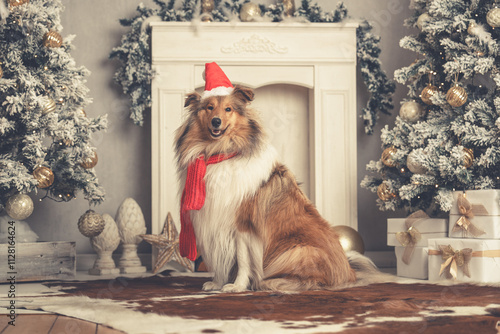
(219, 124)
(220, 116)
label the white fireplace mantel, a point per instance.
(318, 56)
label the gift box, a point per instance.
(418, 266)
(476, 260)
(486, 227)
(475, 214)
(428, 228)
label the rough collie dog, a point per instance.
(256, 229)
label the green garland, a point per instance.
(136, 72)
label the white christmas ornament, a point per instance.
(131, 225)
(412, 111)
(423, 19)
(414, 166)
(493, 17)
(104, 245)
(19, 206)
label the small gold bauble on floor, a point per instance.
(349, 238)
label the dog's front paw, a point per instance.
(233, 288)
(211, 286)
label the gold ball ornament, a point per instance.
(1, 72)
(250, 12)
(52, 39)
(91, 224)
(414, 166)
(349, 239)
(387, 157)
(288, 7)
(207, 6)
(48, 105)
(468, 157)
(44, 176)
(15, 3)
(19, 206)
(428, 92)
(493, 17)
(456, 96)
(422, 20)
(411, 111)
(384, 193)
(90, 162)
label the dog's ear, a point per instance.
(245, 94)
(191, 99)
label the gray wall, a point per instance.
(124, 150)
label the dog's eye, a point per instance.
(210, 108)
(228, 109)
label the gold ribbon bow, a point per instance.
(454, 259)
(412, 236)
(467, 212)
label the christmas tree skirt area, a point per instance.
(39, 261)
(171, 303)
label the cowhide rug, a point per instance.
(168, 304)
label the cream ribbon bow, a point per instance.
(412, 236)
(454, 259)
(467, 212)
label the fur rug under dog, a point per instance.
(166, 304)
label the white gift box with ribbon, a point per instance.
(418, 267)
(475, 260)
(475, 214)
(429, 228)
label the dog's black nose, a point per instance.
(216, 122)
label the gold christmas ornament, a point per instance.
(349, 238)
(44, 176)
(387, 157)
(493, 17)
(19, 206)
(91, 224)
(468, 157)
(48, 105)
(90, 162)
(384, 193)
(207, 6)
(412, 111)
(428, 91)
(250, 12)
(52, 39)
(472, 29)
(1, 72)
(288, 7)
(414, 166)
(422, 20)
(456, 96)
(15, 3)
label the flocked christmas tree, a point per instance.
(45, 135)
(447, 134)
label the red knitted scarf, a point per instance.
(193, 198)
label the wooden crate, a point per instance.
(39, 261)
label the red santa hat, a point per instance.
(216, 81)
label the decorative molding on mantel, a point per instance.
(254, 44)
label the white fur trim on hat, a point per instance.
(217, 91)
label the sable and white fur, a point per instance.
(256, 229)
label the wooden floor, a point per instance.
(51, 324)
